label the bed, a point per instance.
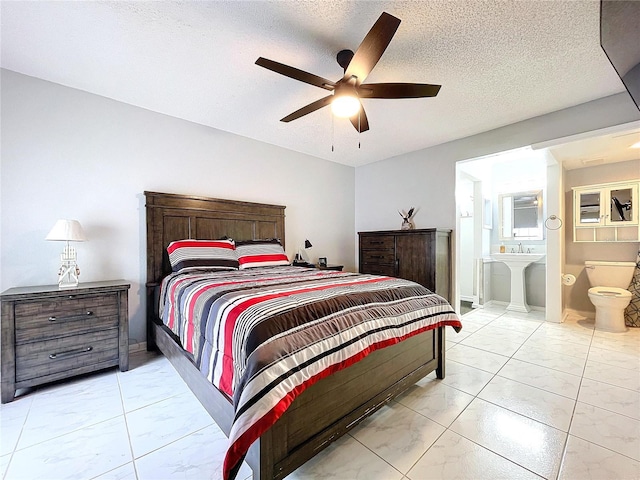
(317, 415)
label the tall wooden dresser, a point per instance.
(422, 256)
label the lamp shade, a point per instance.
(69, 230)
(307, 244)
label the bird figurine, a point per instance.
(407, 219)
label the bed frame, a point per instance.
(326, 410)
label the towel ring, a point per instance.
(553, 217)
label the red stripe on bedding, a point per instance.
(199, 243)
(240, 446)
(226, 379)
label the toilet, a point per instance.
(609, 281)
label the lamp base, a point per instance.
(68, 275)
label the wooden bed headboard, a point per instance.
(176, 217)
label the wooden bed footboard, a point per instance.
(326, 410)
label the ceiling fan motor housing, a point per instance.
(344, 58)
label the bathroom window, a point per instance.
(521, 216)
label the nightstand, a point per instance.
(337, 268)
(50, 333)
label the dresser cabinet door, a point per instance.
(413, 259)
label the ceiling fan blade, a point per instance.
(398, 90)
(296, 73)
(360, 122)
(312, 107)
(372, 48)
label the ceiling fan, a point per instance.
(347, 92)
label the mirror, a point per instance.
(521, 216)
(590, 207)
(621, 206)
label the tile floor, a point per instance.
(522, 399)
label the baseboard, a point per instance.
(570, 313)
(137, 347)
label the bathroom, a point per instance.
(556, 285)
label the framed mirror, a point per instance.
(520, 216)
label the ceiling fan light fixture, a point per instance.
(345, 105)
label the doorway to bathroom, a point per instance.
(502, 202)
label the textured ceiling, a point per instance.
(498, 62)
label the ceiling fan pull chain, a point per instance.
(359, 126)
(332, 133)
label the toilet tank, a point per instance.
(609, 274)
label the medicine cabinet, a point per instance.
(606, 212)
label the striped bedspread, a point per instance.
(264, 335)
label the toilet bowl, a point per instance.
(608, 294)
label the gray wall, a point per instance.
(71, 154)
(577, 252)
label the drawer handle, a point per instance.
(70, 353)
(376, 243)
(72, 317)
(377, 256)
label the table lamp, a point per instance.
(67, 231)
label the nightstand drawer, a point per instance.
(377, 242)
(64, 316)
(66, 354)
(378, 256)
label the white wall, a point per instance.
(70, 154)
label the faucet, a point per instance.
(520, 249)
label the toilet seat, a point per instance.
(610, 292)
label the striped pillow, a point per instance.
(260, 253)
(213, 254)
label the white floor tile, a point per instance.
(553, 381)
(83, 453)
(561, 334)
(4, 463)
(474, 357)
(558, 345)
(198, 456)
(453, 457)
(152, 379)
(12, 419)
(70, 406)
(608, 429)
(620, 377)
(160, 423)
(125, 472)
(617, 399)
(468, 379)
(530, 444)
(554, 360)
(586, 461)
(615, 359)
(398, 435)
(436, 401)
(491, 344)
(346, 459)
(515, 324)
(545, 407)
(506, 334)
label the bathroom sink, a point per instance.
(517, 263)
(517, 257)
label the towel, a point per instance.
(632, 312)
